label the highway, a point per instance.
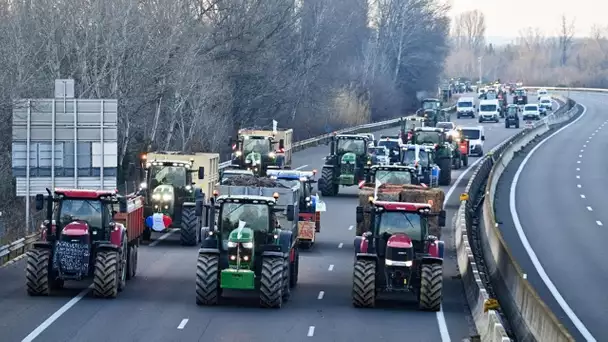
(549, 203)
(159, 304)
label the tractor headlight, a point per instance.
(156, 197)
(248, 161)
(143, 185)
(272, 154)
(167, 197)
(189, 187)
(238, 153)
(248, 245)
(231, 244)
(307, 199)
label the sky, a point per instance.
(505, 18)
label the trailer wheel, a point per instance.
(431, 285)
(207, 280)
(295, 268)
(271, 283)
(326, 183)
(364, 284)
(445, 174)
(189, 227)
(37, 272)
(106, 277)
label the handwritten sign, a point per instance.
(72, 257)
(306, 230)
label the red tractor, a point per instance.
(396, 254)
(86, 234)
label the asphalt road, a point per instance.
(159, 304)
(555, 223)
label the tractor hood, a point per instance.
(75, 228)
(253, 159)
(348, 158)
(241, 235)
(399, 240)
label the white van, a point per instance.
(489, 110)
(476, 137)
(542, 92)
(465, 107)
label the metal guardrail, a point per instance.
(518, 300)
(16, 248)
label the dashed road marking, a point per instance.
(583, 196)
(582, 150)
(599, 223)
(579, 186)
(330, 268)
(311, 331)
(578, 169)
(182, 324)
(350, 228)
(340, 245)
(162, 237)
(321, 294)
(589, 208)
(301, 167)
(580, 156)
(578, 161)
(578, 177)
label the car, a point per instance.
(380, 155)
(542, 92)
(446, 126)
(476, 137)
(465, 107)
(512, 116)
(489, 110)
(393, 144)
(546, 103)
(531, 112)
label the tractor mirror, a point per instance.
(359, 214)
(201, 172)
(290, 213)
(281, 144)
(442, 215)
(39, 201)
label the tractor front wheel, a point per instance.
(431, 285)
(364, 284)
(326, 183)
(37, 272)
(445, 174)
(189, 226)
(271, 283)
(208, 279)
(106, 277)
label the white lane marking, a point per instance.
(578, 162)
(585, 145)
(578, 169)
(599, 223)
(311, 331)
(586, 142)
(340, 245)
(47, 323)
(162, 237)
(583, 196)
(580, 156)
(589, 208)
(579, 186)
(183, 323)
(321, 294)
(301, 167)
(524, 240)
(350, 228)
(578, 177)
(582, 150)
(330, 268)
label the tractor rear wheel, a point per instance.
(445, 174)
(364, 284)
(326, 183)
(271, 283)
(189, 225)
(37, 272)
(287, 280)
(295, 268)
(431, 285)
(207, 279)
(106, 275)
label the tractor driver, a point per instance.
(253, 217)
(393, 222)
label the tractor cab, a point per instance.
(257, 152)
(393, 174)
(422, 159)
(304, 180)
(407, 127)
(430, 136)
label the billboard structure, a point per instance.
(64, 142)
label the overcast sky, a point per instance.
(505, 18)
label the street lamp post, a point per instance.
(479, 60)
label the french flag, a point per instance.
(158, 222)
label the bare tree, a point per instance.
(471, 29)
(565, 38)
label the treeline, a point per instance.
(188, 73)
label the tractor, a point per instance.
(442, 144)
(392, 174)
(309, 216)
(460, 149)
(246, 250)
(520, 97)
(346, 165)
(422, 159)
(84, 236)
(256, 150)
(171, 193)
(407, 125)
(432, 112)
(396, 254)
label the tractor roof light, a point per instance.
(216, 193)
(371, 199)
(275, 195)
(144, 156)
(314, 172)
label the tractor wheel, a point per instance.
(364, 284)
(445, 174)
(106, 275)
(207, 280)
(37, 272)
(132, 265)
(295, 268)
(286, 280)
(326, 183)
(271, 283)
(465, 160)
(431, 284)
(123, 270)
(189, 225)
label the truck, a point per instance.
(86, 234)
(171, 190)
(253, 244)
(346, 165)
(310, 206)
(260, 150)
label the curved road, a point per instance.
(553, 201)
(159, 304)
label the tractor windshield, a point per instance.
(512, 111)
(423, 137)
(170, 175)
(393, 177)
(390, 144)
(392, 222)
(431, 105)
(254, 215)
(257, 145)
(356, 146)
(409, 158)
(77, 209)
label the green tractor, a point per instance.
(170, 192)
(255, 151)
(248, 250)
(432, 112)
(347, 164)
(444, 150)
